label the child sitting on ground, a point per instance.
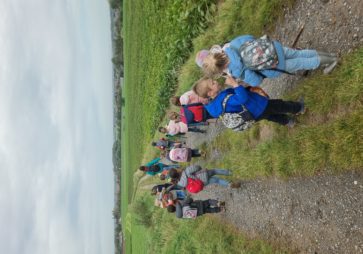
(238, 99)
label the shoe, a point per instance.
(235, 185)
(330, 68)
(302, 104)
(328, 61)
(203, 154)
(221, 204)
(291, 123)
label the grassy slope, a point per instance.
(233, 18)
(157, 39)
(329, 137)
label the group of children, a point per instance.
(244, 63)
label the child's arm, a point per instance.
(152, 162)
(240, 96)
(238, 41)
(253, 78)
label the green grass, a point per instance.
(233, 18)
(157, 39)
(329, 137)
(206, 234)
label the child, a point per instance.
(283, 59)
(182, 154)
(191, 115)
(176, 127)
(190, 209)
(159, 188)
(155, 167)
(258, 107)
(207, 176)
(164, 144)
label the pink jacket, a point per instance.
(180, 154)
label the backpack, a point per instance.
(194, 185)
(192, 113)
(189, 213)
(236, 121)
(259, 54)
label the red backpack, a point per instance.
(194, 185)
(192, 113)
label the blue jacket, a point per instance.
(254, 103)
(237, 68)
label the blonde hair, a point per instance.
(214, 64)
(201, 87)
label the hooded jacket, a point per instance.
(193, 171)
(254, 103)
(237, 68)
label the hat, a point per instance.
(201, 55)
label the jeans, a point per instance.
(167, 167)
(305, 59)
(212, 179)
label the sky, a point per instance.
(56, 178)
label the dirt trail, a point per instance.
(320, 214)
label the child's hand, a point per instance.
(231, 81)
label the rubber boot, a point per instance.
(326, 53)
(327, 61)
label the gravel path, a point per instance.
(321, 214)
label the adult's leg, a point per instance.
(296, 60)
(277, 106)
(225, 172)
(219, 181)
(302, 53)
(278, 118)
(167, 167)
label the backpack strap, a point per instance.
(224, 103)
(273, 69)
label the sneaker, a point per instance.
(330, 67)
(302, 104)
(291, 123)
(235, 185)
(221, 204)
(203, 154)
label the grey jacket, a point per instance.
(194, 171)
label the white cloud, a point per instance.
(55, 127)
